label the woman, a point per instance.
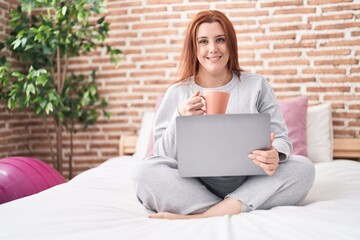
(210, 61)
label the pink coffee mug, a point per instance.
(215, 101)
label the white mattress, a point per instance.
(101, 204)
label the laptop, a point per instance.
(218, 145)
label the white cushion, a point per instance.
(144, 134)
(320, 133)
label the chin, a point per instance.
(216, 71)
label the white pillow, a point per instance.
(144, 134)
(320, 133)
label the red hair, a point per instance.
(189, 64)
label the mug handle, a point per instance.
(204, 101)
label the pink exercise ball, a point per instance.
(24, 176)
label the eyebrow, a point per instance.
(221, 35)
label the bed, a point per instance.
(100, 204)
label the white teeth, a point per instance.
(214, 58)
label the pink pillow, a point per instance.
(294, 111)
(150, 149)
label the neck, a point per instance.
(208, 80)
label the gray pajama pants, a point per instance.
(160, 188)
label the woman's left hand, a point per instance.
(268, 160)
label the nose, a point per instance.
(212, 47)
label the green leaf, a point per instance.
(101, 20)
(30, 89)
(49, 108)
(107, 114)
(16, 43)
(63, 10)
(23, 42)
(29, 47)
(18, 75)
(93, 90)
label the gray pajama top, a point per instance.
(250, 93)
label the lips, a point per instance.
(214, 59)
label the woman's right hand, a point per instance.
(192, 106)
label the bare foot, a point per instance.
(173, 216)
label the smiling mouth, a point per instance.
(214, 59)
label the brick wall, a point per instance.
(14, 127)
(304, 47)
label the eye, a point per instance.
(220, 40)
(202, 42)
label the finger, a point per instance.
(197, 106)
(272, 137)
(158, 215)
(264, 160)
(195, 99)
(270, 172)
(197, 93)
(199, 112)
(266, 167)
(266, 154)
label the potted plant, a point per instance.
(43, 41)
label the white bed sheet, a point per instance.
(101, 204)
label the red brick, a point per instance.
(338, 26)
(280, 54)
(322, 36)
(290, 27)
(282, 3)
(235, 5)
(294, 45)
(149, 58)
(355, 70)
(336, 62)
(160, 33)
(163, 2)
(354, 106)
(117, 4)
(355, 33)
(280, 20)
(286, 89)
(318, 2)
(243, 22)
(296, 11)
(342, 43)
(187, 7)
(342, 98)
(341, 79)
(150, 25)
(328, 89)
(289, 62)
(354, 124)
(317, 71)
(252, 13)
(158, 82)
(158, 65)
(329, 52)
(148, 10)
(278, 72)
(147, 74)
(294, 80)
(268, 37)
(331, 17)
(163, 17)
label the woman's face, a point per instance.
(212, 53)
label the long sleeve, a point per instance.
(267, 103)
(164, 124)
(249, 94)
